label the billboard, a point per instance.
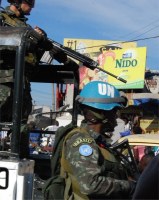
(152, 83)
(128, 64)
(119, 58)
(150, 125)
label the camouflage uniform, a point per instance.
(98, 174)
(7, 66)
(8, 18)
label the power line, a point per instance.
(147, 31)
(135, 40)
(144, 27)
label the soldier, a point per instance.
(94, 169)
(147, 186)
(15, 16)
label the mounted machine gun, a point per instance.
(58, 48)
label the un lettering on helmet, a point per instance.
(105, 89)
(99, 89)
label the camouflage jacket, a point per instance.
(8, 18)
(7, 68)
(95, 170)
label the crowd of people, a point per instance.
(131, 125)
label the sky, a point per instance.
(123, 20)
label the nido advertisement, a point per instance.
(124, 60)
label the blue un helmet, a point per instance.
(101, 95)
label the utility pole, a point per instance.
(53, 98)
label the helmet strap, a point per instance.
(95, 117)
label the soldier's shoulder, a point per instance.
(6, 14)
(79, 136)
(6, 11)
(78, 132)
(2, 12)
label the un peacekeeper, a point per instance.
(95, 171)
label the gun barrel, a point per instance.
(76, 55)
(88, 62)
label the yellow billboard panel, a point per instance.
(103, 52)
(128, 64)
(94, 47)
(150, 125)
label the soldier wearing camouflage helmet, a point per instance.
(95, 172)
(14, 15)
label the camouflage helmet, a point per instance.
(18, 2)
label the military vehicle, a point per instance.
(17, 176)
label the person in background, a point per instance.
(138, 150)
(147, 185)
(51, 138)
(32, 125)
(127, 127)
(5, 140)
(95, 171)
(136, 120)
(48, 139)
(145, 160)
(137, 130)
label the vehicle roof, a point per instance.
(142, 139)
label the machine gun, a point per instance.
(46, 43)
(88, 62)
(123, 151)
(59, 48)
